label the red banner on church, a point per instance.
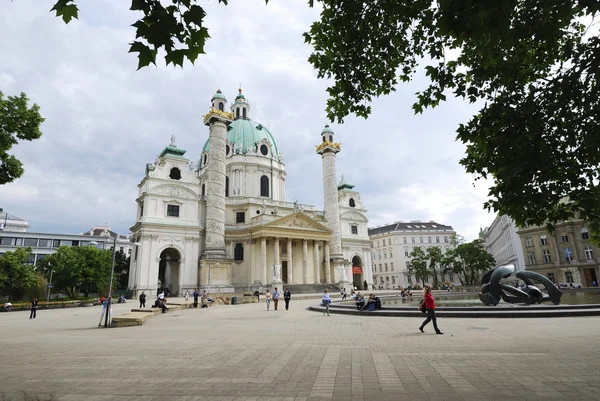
(356, 270)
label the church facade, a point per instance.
(223, 224)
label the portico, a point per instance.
(291, 248)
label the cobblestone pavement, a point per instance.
(245, 353)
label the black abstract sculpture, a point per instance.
(492, 290)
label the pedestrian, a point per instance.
(34, 304)
(143, 300)
(187, 295)
(326, 301)
(343, 293)
(287, 295)
(430, 306)
(196, 295)
(268, 299)
(276, 298)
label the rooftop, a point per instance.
(415, 226)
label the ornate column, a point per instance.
(218, 121)
(328, 149)
(277, 279)
(290, 262)
(317, 263)
(327, 263)
(305, 261)
(263, 260)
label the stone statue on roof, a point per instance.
(172, 140)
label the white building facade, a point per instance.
(224, 224)
(502, 241)
(391, 245)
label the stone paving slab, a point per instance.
(243, 352)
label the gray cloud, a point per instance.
(104, 120)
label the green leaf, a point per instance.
(176, 57)
(145, 54)
(66, 10)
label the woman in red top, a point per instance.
(430, 306)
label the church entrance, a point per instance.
(284, 271)
(168, 272)
(357, 272)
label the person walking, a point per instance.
(343, 293)
(34, 305)
(430, 306)
(287, 295)
(196, 295)
(143, 300)
(276, 296)
(326, 301)
(187, 295)
(268, 299)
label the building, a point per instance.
(503, 243)
(44, 244)
(224, 224)
(392, 244)
(565, 256)
(8, 222)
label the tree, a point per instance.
(474, 260)
(15, 273)
(17, 122)
(531, 64)
(418, 265)
(122, 269)
(81, 268)
(435, 257)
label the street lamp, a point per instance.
(112, 272)
(49, 284)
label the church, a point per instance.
(223, 223)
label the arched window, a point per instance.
(221, 106)
(330, 138)
(244, 113)
(324, 139)
(584, 233)
(175, 174)
(352, 203)
(264, 186)
(238, 252)
(203, 189)
(205, 158)
(226, 187)
(237, 113)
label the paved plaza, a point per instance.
(245, 353)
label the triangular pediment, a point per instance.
(298, 221)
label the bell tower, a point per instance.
(241, 107)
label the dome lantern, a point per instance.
(219, 100)
(240, 107)
(327, 134)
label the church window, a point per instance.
(264, 150)
(237, 113)
(227, 150)
(141, 209)
(175, 174)
(173, 210)
(264, 186)
(244, 113)
(324, 139)
(221, 106)
(352, 203)
(354, 229)
(205, 158)
(226, 187)
(330, 138)
(203, 189)
(240, 217)
(238, 253)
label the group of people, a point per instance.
(371, 304)
(275, 296)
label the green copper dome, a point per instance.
(248, 132)
(218, 95)
(327, 129)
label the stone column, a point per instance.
(277, 279)
(263, 260)
(215, 189)
(327, 264)
(290, 262)
(276, 249)
(305, 261)
(317, 263)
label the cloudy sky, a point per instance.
(105, 120)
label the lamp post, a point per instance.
(112, 272)
(49, 285)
